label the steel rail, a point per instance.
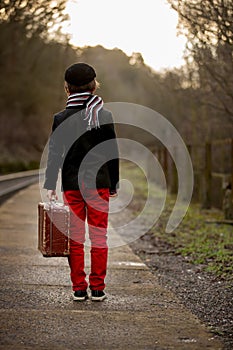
(13, 182)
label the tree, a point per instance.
(208, 25)
(31, 66)
(209, 21)
(37, 17)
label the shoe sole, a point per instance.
(99, 298)
(80, 298)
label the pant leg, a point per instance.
(97, 218)
(77, 238)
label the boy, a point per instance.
(84, 146)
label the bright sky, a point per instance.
(147, 26)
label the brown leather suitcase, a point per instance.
(53, 229)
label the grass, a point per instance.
(201, 242)
(204, 243)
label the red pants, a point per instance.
(93, 206)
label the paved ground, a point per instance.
(37, 310)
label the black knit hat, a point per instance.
(79, 74)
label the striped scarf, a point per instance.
(92, 103)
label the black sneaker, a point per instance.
(98, 295)
(80, 295)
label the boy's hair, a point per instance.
(92, 86)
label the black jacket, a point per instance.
(86, 157)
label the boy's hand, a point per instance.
(51, 194)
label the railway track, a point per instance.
(11, 183)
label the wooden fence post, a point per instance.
(208, 176)
(189, 148)
(174, 180)
(159, 156)
(232, 168)
(165, 164)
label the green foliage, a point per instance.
(14, 167)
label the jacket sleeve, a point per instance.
(55, 156)
(112, 152)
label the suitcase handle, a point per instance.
(53, 199)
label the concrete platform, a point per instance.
(37, 310)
